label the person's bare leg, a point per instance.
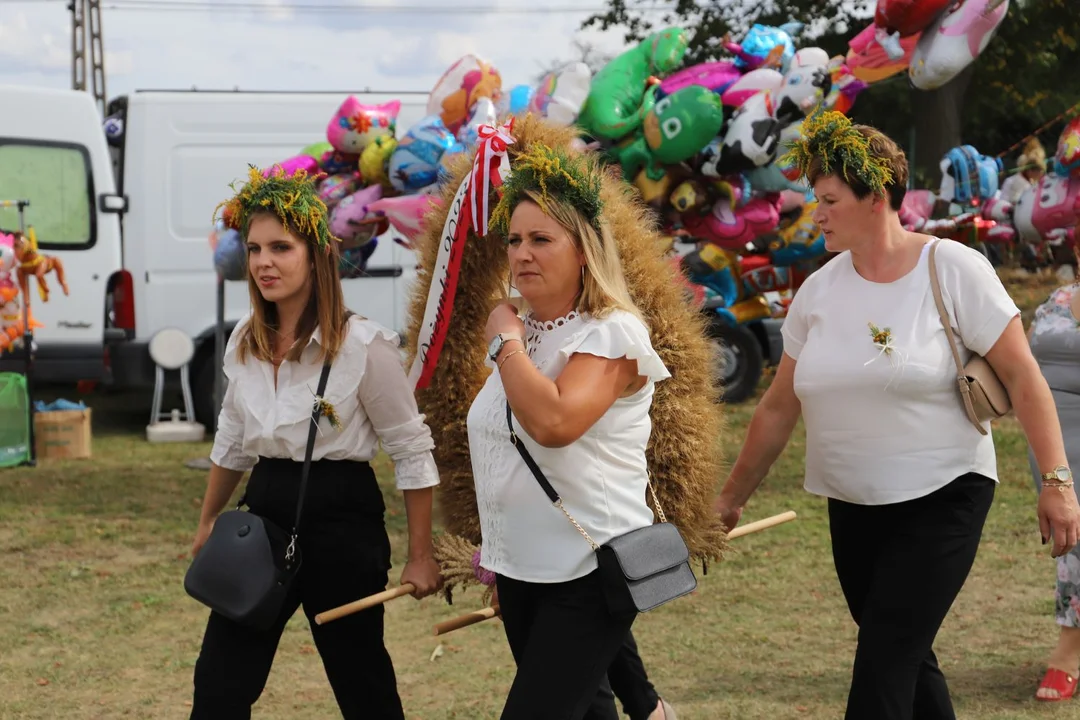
(1065, 657)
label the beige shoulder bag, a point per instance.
(984, 397)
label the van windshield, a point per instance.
(56, 181)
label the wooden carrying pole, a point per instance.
(364, 603)
(466, 620)
(491, 612)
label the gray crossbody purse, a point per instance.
(640, 570)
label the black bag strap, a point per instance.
(539, 475)
(528, 458)
(550, 491)
(316, 413)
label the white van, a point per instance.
(131, 223)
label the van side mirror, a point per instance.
(113, 203)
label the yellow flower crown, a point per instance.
(840, 147)
(293, 198)
(550, 172)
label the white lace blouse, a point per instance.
(368, 388)
(601, 477)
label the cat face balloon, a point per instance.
(355, 125)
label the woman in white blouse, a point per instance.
(867, 364)
(273, 362)
(578, 375)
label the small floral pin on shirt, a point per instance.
(327, 410)
(883, 339)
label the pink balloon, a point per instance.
(789, 200)
(732, 229)
(869, 62)
(406, 213)
(355, 124)
(760, 80)
(716, 76)
(352, 220)
(1057, 203)
(290, 166)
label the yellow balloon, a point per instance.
(374, 158)
(803, 230)
(652, 191)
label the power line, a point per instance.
(206, 5)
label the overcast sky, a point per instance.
(322, 47)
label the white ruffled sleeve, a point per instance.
(389, 404)
(619, 335)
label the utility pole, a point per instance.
(86, 19)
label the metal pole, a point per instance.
(219, 346)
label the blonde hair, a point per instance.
(325, 307)
(603, 281)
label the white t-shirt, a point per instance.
(601, 477)
(885, 427)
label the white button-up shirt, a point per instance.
(367, 387)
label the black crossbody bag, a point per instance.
(640, 570)
(245, 569)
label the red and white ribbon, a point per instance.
(490, 167)
(469, 208)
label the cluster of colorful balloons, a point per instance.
(969, 198)
(932, 40)
(374, 178)
(1048, 211)
(702, 143)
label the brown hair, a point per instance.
(883, 147)
(325, 308)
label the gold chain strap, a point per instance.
(584, 534)
(577, 525)
(656, 500)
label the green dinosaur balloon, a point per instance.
(676, 128)
(619, 95)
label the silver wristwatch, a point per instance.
(498, 342)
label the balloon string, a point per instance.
(1040, 130)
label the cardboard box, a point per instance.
(62, 434)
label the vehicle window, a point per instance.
(56, 182)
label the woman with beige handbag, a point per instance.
(893, 354)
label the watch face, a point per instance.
(493, 348)
(1063, 474)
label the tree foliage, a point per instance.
(1019, 83)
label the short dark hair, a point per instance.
(881, 146)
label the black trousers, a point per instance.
(630, 683)
(901, 566)
(563, 639)
(346, 556)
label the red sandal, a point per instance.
(1061, 682)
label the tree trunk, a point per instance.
(939, 123)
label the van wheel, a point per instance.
(739, 360)
(202, 390)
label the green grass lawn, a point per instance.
(94, 621)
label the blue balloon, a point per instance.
(519, 98)
(761, 39)
(230, 256)
(414, 164)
